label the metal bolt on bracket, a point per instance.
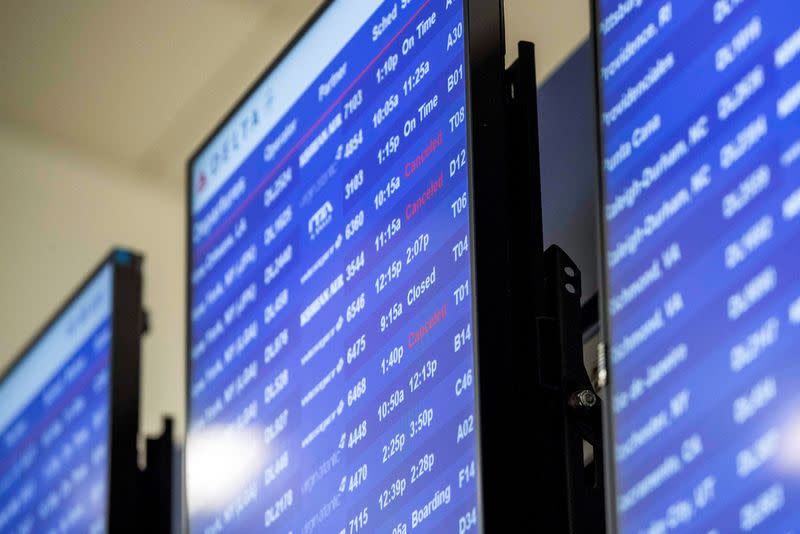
(584, 399)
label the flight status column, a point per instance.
(700, 159)
(54, 421)
(332, 385)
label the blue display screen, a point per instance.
(332, 385)
(54, 413)
(700, 118)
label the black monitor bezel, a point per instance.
(490, 242)
(602, 291)
(124, 364)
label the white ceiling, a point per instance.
(140, 82)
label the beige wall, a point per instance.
(59, 214)
(61, 211)
(557, 27)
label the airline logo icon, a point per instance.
(201, 183)
(321, 219)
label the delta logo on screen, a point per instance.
(202, 181)
(227, 148)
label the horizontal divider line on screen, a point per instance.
(210, 240)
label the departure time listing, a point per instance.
(54, 423)
(332, 384)
(702, 141)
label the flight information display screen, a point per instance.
(701, 162)
(54, 415)
(332, 380)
